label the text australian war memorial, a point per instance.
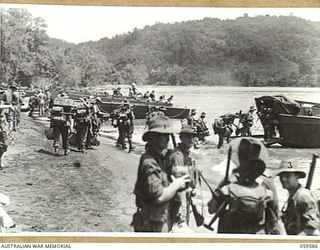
(207, 126)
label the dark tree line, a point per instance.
(248, 51)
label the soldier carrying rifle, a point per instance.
(123, 119)
(152, 189)
(181, 163)
(246, 205)
(300, 213)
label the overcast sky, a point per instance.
(83, 23)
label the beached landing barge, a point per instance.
(298, 121)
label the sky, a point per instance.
(90, 23)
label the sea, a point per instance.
(216, 101)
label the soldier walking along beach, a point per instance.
(16, 103)
(7, 97)
(125, 125)
(42, 102)
(60, 123)
(82, 124)
(300, 213)
(152, 189)
(4, 131)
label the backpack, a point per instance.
(247, 205)
(57, 111)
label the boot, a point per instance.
(66, 151)
(56, 150)
(131, 147)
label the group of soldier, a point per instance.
(223, 126)
(10, 104)
(43, 101)
(199, 126)
(148, 96)
(245, 202)
(76, 123)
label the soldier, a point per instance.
(169, 100)
(136, 92)
(60, 122)
(246, 119)
(153, 96)
(192, 121)
(49, 100)
(82, 125)
(130, 95)
(117, 93)
(202, 129)
(4, 132)
(16, 103)
(299, 214)
(7, 98)
(162, 99)
(42, 101)
(152, 189)
(33, 103)
(191, 118)
(126, 126)
(180, 163)
(153, 111)
(146, 95)
(246, 205)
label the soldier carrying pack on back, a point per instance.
(61, 124)
(246, 206)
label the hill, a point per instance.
(248, 51)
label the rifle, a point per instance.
(225, 202)
(197, 216)
(311, 170)
(173, 141)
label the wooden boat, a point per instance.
(298, 122)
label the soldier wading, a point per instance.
(152, 189)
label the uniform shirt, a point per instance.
(151, 181)
(191, 120)
(16, 99)
(42, 97)
(301, 212)
(7, 96)
(180, 157)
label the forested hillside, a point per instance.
(248, 51)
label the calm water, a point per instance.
(216, 101)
